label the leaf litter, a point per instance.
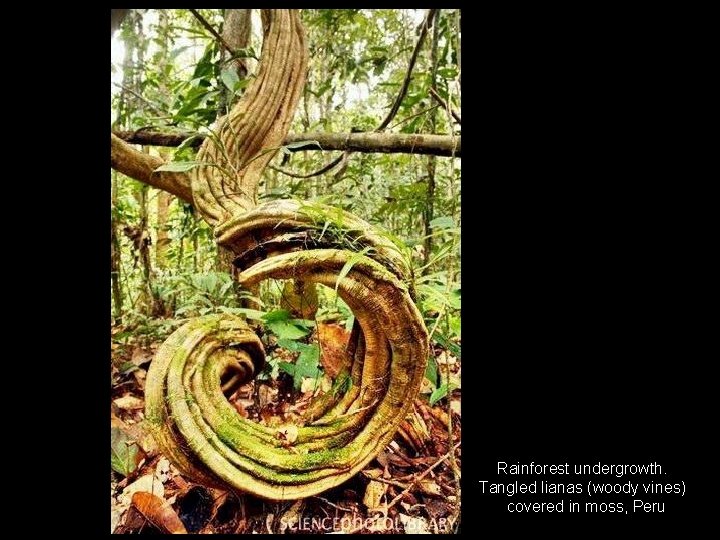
(410, 487)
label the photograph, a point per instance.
(285, 272)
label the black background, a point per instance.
(583, 287)
(582, 284)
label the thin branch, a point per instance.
(323, 170)
(445, 105)
(408, 75)
(210, 29)
(414, 116)
(423, 475)
(141, 97)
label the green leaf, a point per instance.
(280, 323)
(178, 166)
(431, 371)
(291, 345)
(443, 222)
(354, 258)
(455, 327)
(276, 315)
(444, 342)
(440, 393)
(307, 365)
(287, 330)
(124, 453)
(287, 367)
(230, 78)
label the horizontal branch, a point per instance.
(368, 142)
(141, 166)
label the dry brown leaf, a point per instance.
(140, 376)
(374, 491)
(129, 402)
(158, 512)
(140, 357)
(266, 394)
(430, 487)
(333, 340)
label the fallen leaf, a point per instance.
(140, 376)
(414, 525)
(266, 394)
(147, 483)
(158, 512)
(140, 357)
(129, 402)
(430, 487)
(333, 340)
(125, 453)
(374, 491)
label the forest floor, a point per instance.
(412, 486)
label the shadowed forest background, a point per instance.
(375, 79)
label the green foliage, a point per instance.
(124, 452)
(431, 371)
(442, 391)
(307, 363)
(284, 327)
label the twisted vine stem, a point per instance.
(203, 361)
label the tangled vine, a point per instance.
(203, 361)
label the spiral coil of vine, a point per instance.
(343, 430)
